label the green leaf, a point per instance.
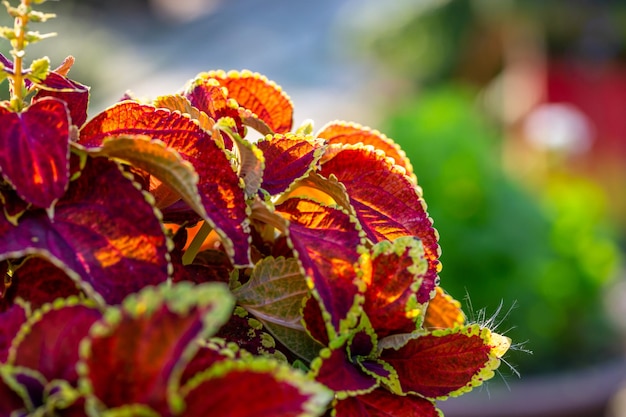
(298, 341)
(275, 291)
(274, 294)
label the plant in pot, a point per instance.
(157, 262)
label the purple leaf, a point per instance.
(34, 150)
(104, 235)
(49, 340)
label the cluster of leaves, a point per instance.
(158, 262)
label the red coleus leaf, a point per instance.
(104, 235)
(48, 341)
(386, 202)
(75, 95)
(138, 352)
(12, 320)
(445, 362)
(207, 95)
(382, 403)
(34, 150)
(326, 241)
(393, 273)
(288, 158)
(208, 354)
(335, 369)
(30, 286)
(271, 389)
(219, 187)
(256, 93)
(339, 132)
(348, 366)
(313, 321)
(5, 285)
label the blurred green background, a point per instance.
(510, 111)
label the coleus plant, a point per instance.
(158, 261)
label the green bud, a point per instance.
(7, 33)
(33, 36)
(39, 70)
(35, 16)
(12, 11)
(306, 128)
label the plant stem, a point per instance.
(21, 23)
(196, 243)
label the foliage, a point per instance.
(548, 250)
(309, 287)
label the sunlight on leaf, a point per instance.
(386, 202)
(153, 156)
(394, 274)
(146, 343)
(272, 389)
(219, 186)
(259, 95)
(340, 132)
(446, 362)
(289, 158)
(443, 312)
(327, 241)
(34, 150)
(103, 233)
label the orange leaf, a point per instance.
(443, 312)
(259, 95)
(339, 132)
